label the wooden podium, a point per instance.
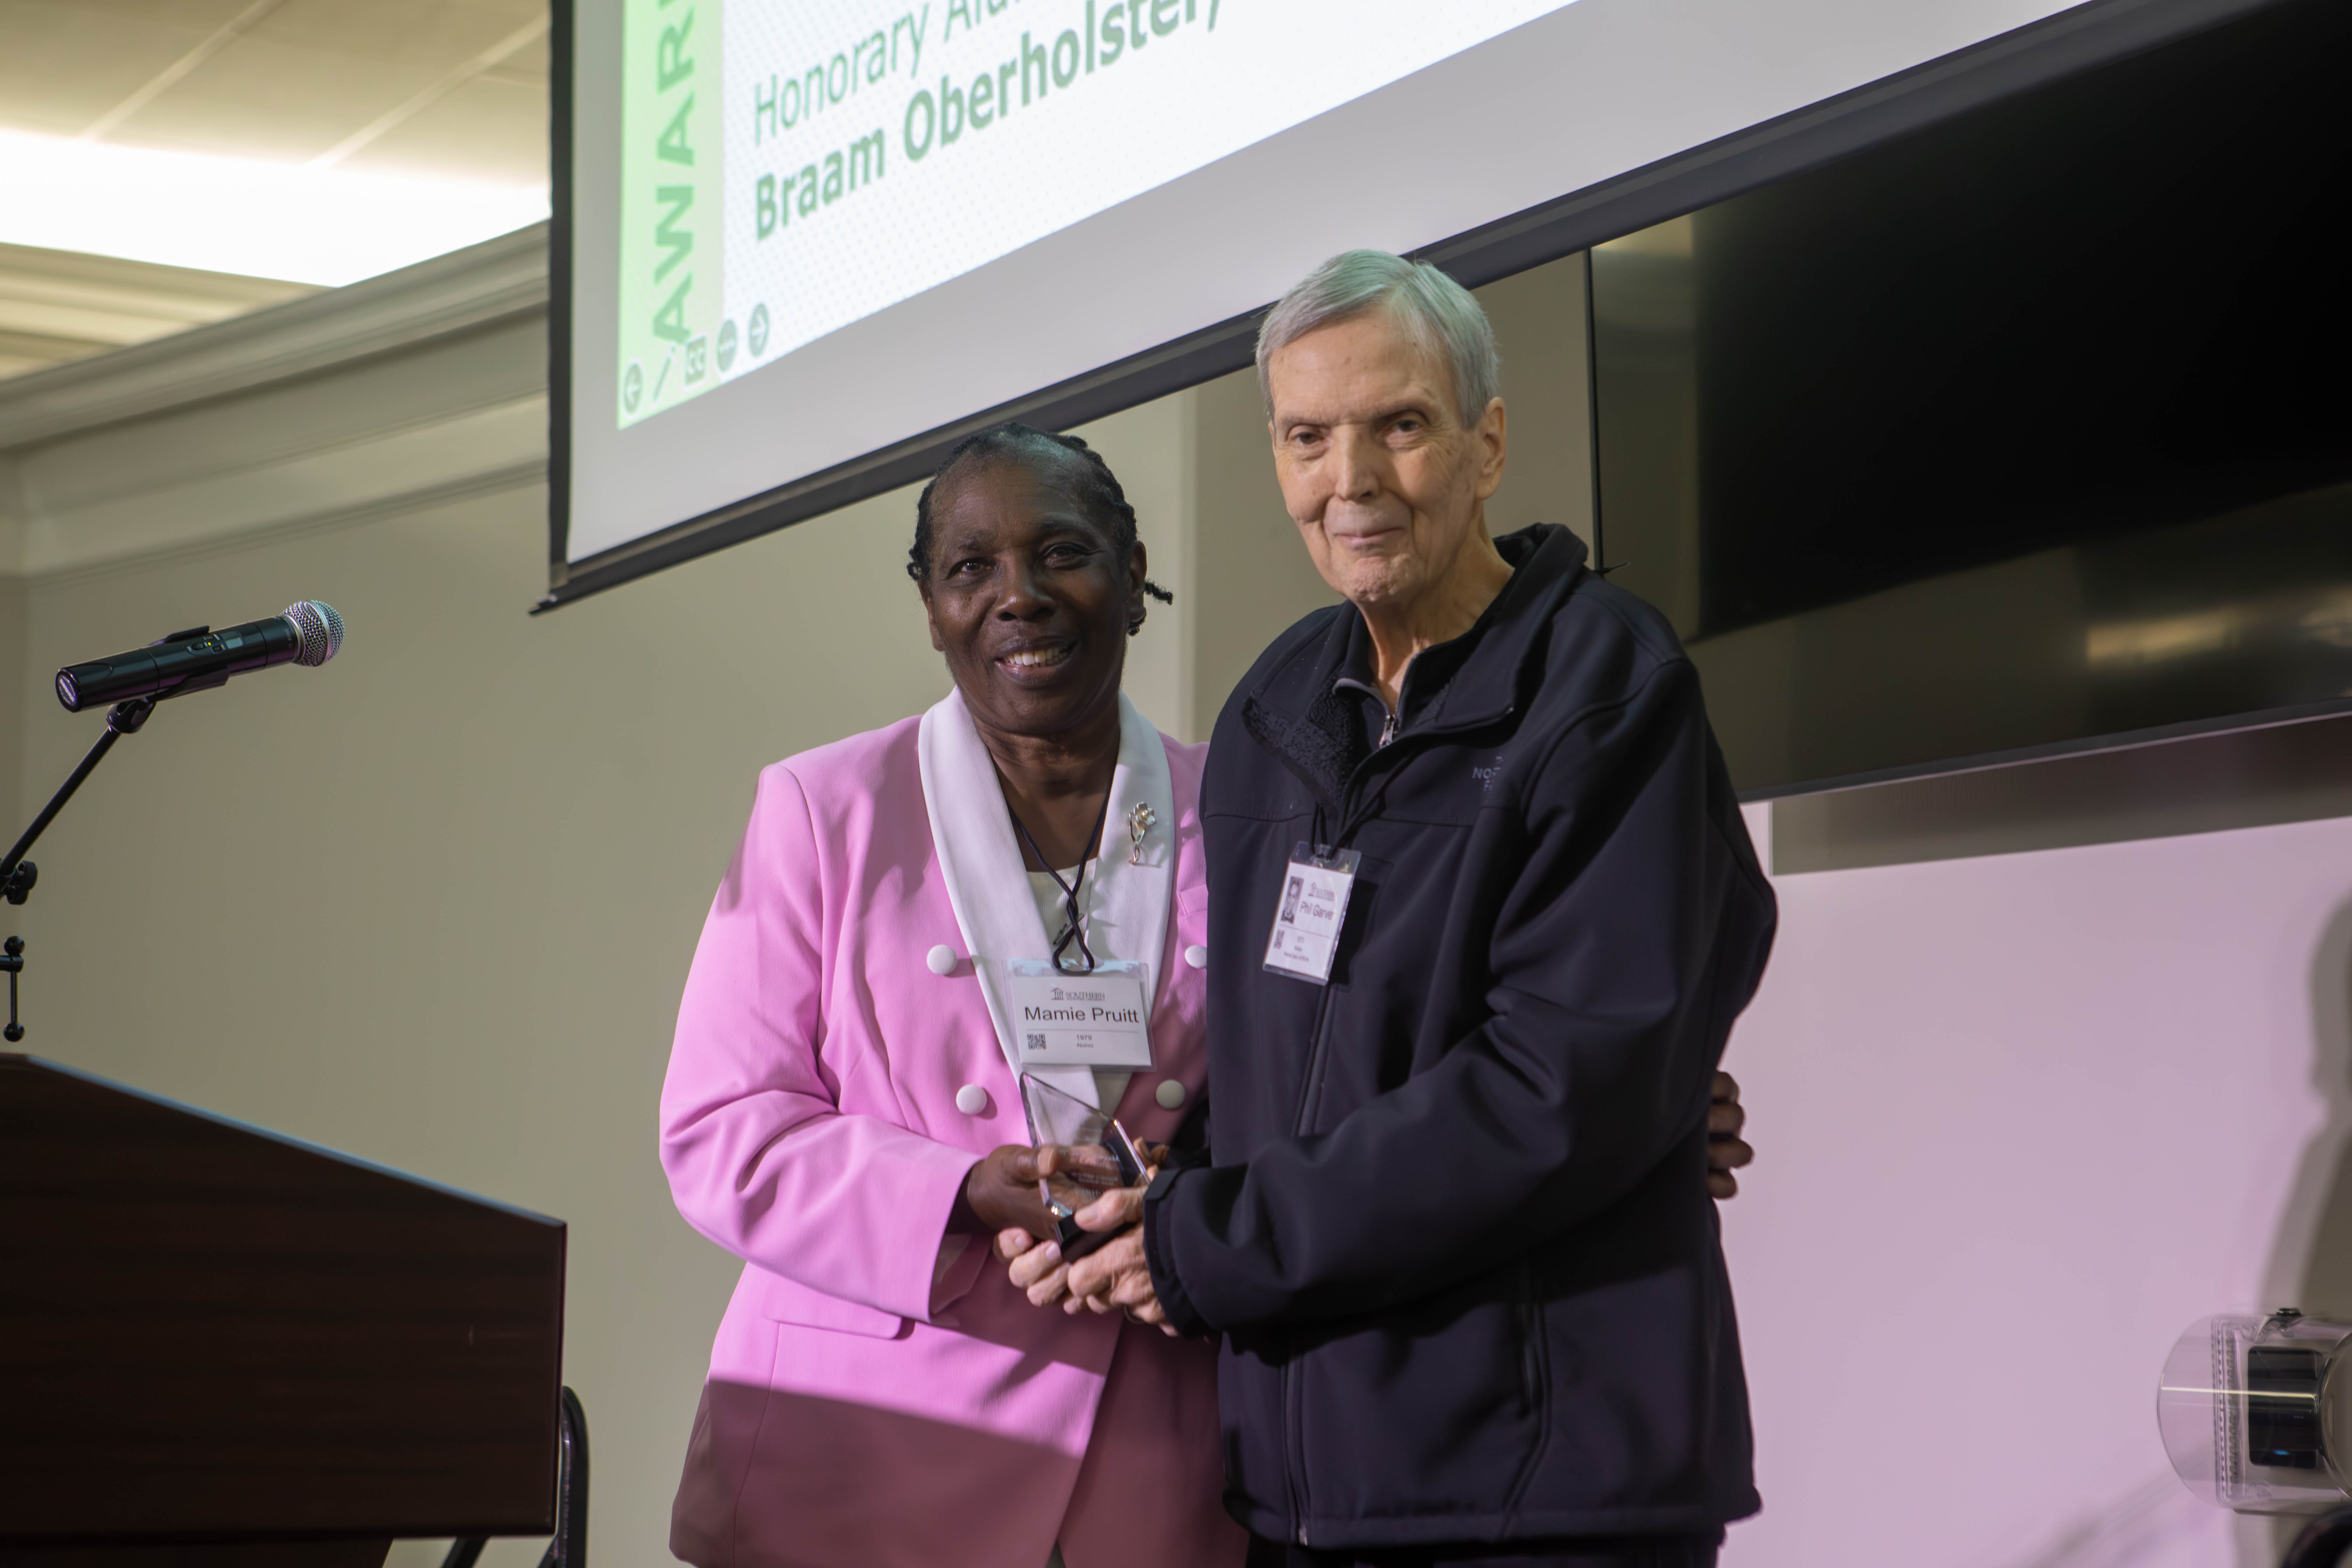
(221, 1347)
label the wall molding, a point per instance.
(422, 386)
(465, 290)
(2258, 777)
(354, 513)
(396, 468)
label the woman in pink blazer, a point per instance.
(843, 1111)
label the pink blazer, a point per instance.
(875, 1398)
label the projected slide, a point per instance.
(808, 245)
(791, 167)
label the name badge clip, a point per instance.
(1308, 915)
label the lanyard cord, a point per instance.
(1074, 931)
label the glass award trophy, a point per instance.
(1095, 1157)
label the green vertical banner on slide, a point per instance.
(672, 171)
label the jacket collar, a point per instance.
(988, 883)
(1298, 713)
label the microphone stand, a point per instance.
(17, 874)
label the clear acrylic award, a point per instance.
(1094, 1156)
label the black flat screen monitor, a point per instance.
(2027, 432)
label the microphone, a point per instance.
(199, 659)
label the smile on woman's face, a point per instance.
(1028, 601)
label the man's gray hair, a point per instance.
(1440, 315)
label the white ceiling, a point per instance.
(439, 89)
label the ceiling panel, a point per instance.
(288, 79)
(531, 61)
(63, 65)
(443, 32)
(494, 130)
(259, 97)
(198, 16)
(297, 80)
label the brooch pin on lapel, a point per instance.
(1138, 823)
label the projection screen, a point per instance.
(804, 246)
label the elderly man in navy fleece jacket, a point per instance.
(1453, 1224)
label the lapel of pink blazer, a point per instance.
(1130, 887)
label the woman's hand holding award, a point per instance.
(1084, 1157)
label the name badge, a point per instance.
(1095, 1020)
(1308, 914)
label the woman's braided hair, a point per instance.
(1096, 487)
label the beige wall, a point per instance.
(1255, 578)
(1151, 450)
(1538, 319)
(12, 708)
(432, 903)
(12, 655)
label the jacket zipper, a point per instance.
(1293, 1389)
(1350, 798)
(1293, 1392)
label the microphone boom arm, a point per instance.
(18, 874)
